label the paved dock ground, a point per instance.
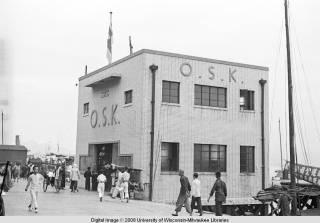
(311, 212)
(82, 203)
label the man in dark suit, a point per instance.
(220, 190)
(184, 195)
(87, 175)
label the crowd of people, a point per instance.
(16, 171)
(39, 178)
(189, 196)
(120, 182)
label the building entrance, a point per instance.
(106, 154)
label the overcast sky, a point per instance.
(48, 43)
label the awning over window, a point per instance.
(103, 80)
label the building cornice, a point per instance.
(176, 55)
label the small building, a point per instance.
(13, 153)
(206, 116)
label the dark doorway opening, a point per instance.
(106, 154)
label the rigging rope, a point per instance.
(296, 107)
(275, 74)
(300, 127)
(300, 133)
(306, 82)
(306, 150)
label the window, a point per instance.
(128, 97)
(210, 158)
(246, 100)
(210, 96)
(246, 159)
(169, 156)
(125, 161)
(85, 108)
(170, 92)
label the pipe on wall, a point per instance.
(262, 83)
(153, 69)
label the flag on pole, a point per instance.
(110, 41)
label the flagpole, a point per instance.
(110, 19)
(109, 45)
(130, 45)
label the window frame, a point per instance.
(86, 109)
(249, 100)
(125, 97)
(248, 167)
(127, 157)
(207, 95)
(211, 160)
(174, 166)
(167, 96)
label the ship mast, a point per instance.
(291, 120)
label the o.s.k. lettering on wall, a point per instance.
(106, 117)
(186, 70)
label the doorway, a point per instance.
(106, 153)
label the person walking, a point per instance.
(101, 184)
(75, 176)
(195, 193)
(108, 171)
(94, 183)
(118, 189)
(8, 181)
(7, 184)
(58, 177)
(184, 195)
(87, 176)
(14, 172)
(18, 171)
(125, 185)
(35, 181)
(220, 190)
(30, 170)
(24, 172)
(63, 176)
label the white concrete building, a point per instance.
(207, 118)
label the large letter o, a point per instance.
(186, 69)
(94, 120)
